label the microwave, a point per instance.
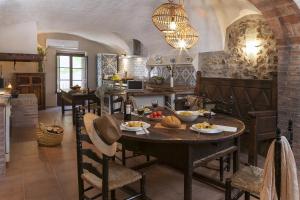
(135, 85)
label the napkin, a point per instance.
(141, 132)
(227, 128)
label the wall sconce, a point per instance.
(252, 48)
(9, 86)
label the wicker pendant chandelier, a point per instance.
(169, 17)
(184, 38)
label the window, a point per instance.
(71, 70)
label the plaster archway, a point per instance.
(283, 16)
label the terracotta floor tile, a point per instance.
(43, 173)
(42, 189)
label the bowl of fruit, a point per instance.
(155, 116)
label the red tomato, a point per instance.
(159, 113)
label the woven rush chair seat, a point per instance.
(119, 176)
(249, 178)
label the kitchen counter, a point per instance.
(176, 89)
(4, 130)
(148, 92)
(163, 94)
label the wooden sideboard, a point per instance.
(34, 83)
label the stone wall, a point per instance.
(250, 51)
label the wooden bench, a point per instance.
(254, 102)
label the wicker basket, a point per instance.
(49, 135)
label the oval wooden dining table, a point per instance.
(185, 149)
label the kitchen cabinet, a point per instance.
(27, 83)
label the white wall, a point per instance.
(19, 38)
(88, 46)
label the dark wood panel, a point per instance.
(248, 95)
(254, 102)
(34, 83)
(20, 57)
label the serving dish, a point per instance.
(206, 128)
(187, 116)
(135, 125)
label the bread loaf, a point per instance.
(171, 122)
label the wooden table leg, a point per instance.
(73, 111)
(98, 107)
(236, 156)
(62, 106)
(188, 175)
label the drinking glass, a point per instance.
(155, 103)
(208, 115)
(140, 111)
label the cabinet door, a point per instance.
(24, 89)
(36, 80)
(23, 80)
(37, 90)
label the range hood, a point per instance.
(136, 48)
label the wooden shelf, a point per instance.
(19, 57)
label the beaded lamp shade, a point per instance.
(169, 17)
(185, 38)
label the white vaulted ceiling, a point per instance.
(115, 22)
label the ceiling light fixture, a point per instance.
(184, 38)
(169, 17)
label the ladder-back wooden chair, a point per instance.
(98, 171)
(249, 179)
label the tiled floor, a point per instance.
(41, 173)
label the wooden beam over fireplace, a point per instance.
(19, 57)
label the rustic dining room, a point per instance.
(161, 99)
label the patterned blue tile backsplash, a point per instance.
(136, 68)
(183, 74)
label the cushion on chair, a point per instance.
(248, 179)
(119, 176)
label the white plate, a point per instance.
(124, 126)
(206, 130)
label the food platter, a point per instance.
(206, 128)
(134, 125)
(155, 116)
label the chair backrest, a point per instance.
(262, 128)
(91, 155)
(221, 106)
(277, 155)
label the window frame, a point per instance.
(71, 55)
